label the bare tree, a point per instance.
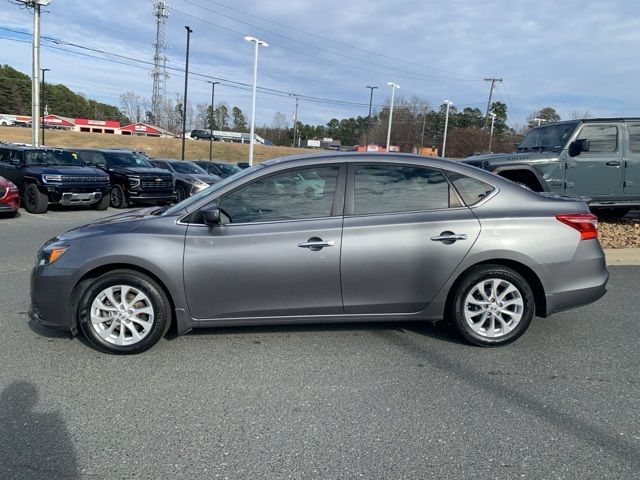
(131, 105)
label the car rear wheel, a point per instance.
(493, 305)
(118, 197)
(34, 200)
(124, 312)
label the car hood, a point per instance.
(122, 222)
(486, 161)
(210, 179)
(61, 170)
(159, 172)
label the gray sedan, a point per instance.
(320, 239)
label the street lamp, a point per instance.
(369, 116)
(493, 119)
(393, 95)
(184, 99)
(257, 44)
(42, 101)
(448, 103)
(213, 91)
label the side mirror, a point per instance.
(579, 146)
(211, 215)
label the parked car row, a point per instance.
(98, 177)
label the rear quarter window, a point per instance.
(470, 189)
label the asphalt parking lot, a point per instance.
(384, 401)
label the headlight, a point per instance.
(50, 254)
(52, 178)
(134, 182)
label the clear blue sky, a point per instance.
(573, 55)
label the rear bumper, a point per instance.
(579, 282)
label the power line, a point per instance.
(395, 70)
(337, 42)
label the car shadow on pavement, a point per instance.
(436, 330)
(33, 445)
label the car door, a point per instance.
(10, 171)
(405, 231)
(597, 172)
(632, 160)
(277, 251)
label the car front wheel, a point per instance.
(118, 197)
(124, 312)
(493, 305)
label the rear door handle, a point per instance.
(614, 164)
(314, 244)
(449, 237)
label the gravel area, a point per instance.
(624, 233)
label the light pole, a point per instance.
(393, 96)
(369, 116)
(493, 119)
(257, 45)
(213, 92)
(42, 101)
(448, 103)
(186, 84)
(424, 122)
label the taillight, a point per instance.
(585, 223)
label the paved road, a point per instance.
(386, 401)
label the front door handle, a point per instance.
(614, 164)
(449, 237)
(314, 244)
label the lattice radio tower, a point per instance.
(159, 72)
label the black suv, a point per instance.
(200, 134)
(133, 178)
(46, 175)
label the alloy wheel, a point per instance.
(122, 315)
(493, 307)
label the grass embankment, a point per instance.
(154, 147)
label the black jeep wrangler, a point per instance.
(133, 178)
(596, 159)
(47, 175)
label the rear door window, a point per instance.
(471, 190)
(398, 188)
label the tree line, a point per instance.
(15, 98)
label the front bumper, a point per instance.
(142, 196)
(77, 194)
(51, 302)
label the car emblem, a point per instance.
(158, 179)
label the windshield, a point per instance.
(126, 159)
(551, 137)
(208, 191)
(187, 167)
(51, 158)
(228, 169)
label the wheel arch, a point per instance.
(178, 316)
(527, 273)
(525, 174)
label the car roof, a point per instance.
(30, 148)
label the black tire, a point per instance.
(34, 200)
(181, 193)
(103, 204)
(614, 213)
(195, 137)
(158, 299)
(118, 197)
(473, 278)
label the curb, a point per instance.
(622, 256)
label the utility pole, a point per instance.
(448, 103)
(184, 99)
(424, 122)
(393, 96)
(213, 92)
(43, 70)
(493, 119)
(369, 116)
(295, 123)
(493, 81)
